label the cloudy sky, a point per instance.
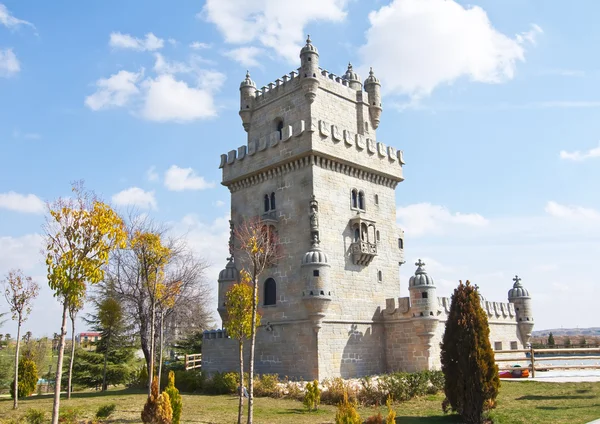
(495, 104)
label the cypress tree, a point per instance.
(551, 340)
(470, 371)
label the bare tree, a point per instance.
(259, 249)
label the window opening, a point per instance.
(361, 200)
(376, 199)
(280, 128)
(270, 292)
(378, 238)
(316, 273)
(400, 243)
(354, 199)
(273, 201)
(424, 295)
(380, 276)
(497, 345)
(267, 203)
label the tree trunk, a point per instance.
(152, 331)
(252, 343)
(61, 354)
(16, 400)
(104, 385)
(241, 391)
(69, 385)
(160, 344)
(144, 337)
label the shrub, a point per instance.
(417, 384)
(69, 416)
(142, 377)
(471, 374)
(312, 396)
(267, 385)
(35, 416)
(334, 390)
(223, 383)
(28, 378)
(292, 389)
(157, 409)
(346, 412)
(371, 393)
(175, 398)
(375, 419)
(106, 411)
(391, 415)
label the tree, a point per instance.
(239, 323)
(470, 371)
(154, 256)
(19, 291)
(74, 307)
(583, 341)
(80, 234)
(567, 342)
(88, 367)
(27, 379)
(27, 336)
(110, 319)
(551, 341)
(259, 249)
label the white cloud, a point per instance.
(9, 64)
(580, 156)
(151, 174)
(126, 41)
(246, 56)
(416, 45)
(426, 219)
(168, 99)
(275, 24)
(9, 20)
(179, 179)
(162, 66)
(172, 41)
(26, 203)
(197, 45)
(219, 203)
(20, 252)
(135, 196)
(115, 91)
(571, 212)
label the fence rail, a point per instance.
(193, 361)
(533, 359)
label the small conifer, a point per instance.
(157, 409)
(175, 398)
(470, 371)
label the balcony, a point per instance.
(269, 217)
(363, 252)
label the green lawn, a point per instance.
(519, 402)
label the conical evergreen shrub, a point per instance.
(470, 371)
(157, 409)
(174, 397)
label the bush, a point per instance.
(312, 396)
(471, 374)
(347, 413)
(266, 385)
(375, 419)
(157, 409)
(391, 416)
(174, 397)
(142, 377)
(292, 389)
(436, 378)
(223, 383)
(106, 411)
(35, 416)
(334, 390)
(69, 416)
(28, 378)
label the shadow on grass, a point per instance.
(557, 397)
(79, 395)
(558, 408)
(446, 419)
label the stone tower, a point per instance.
(314, 172)
(519, 296)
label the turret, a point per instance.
(227, 278)
(247, 96)
(423, 297)
(315, 273)
(373, 88)
(352, 78)
(519, 296)
(309, 70)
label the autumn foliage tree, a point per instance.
(19, 291)
(238, 303)
(259, 249)
(470, 371)
(81, 231)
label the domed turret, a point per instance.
(423, 298)
(309, 70)
(352, 78)
(519, 296)
(227, 277)
(373, 88)
(247, 95)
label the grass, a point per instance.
(518, 402)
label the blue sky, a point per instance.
(495, 105)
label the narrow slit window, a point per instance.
(267, 203)
(354, 199)
(361, 200)
(270, 292)
(273, 201)
(380, 276)
(280, 128)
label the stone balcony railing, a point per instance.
(269, 217)
(363, 252)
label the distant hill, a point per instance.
(593, 331)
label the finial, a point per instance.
(247, 74)
(308, 41)
(349, 66)
(420, 263)
(371, 71)
(517, 280)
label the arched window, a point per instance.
(270, 292)
(273, 201)
(400, 243)
(267, 203)
(378, 239)
(354, 198)
(356, 234)
(376, 199)
(364, 232)
(380, 276)
(361, 200)
(280, 128)
(366, 126)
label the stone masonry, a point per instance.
(314, 172)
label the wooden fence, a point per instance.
(193, 361)
(534, 361)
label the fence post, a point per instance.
(186, 362)
(532, 361)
